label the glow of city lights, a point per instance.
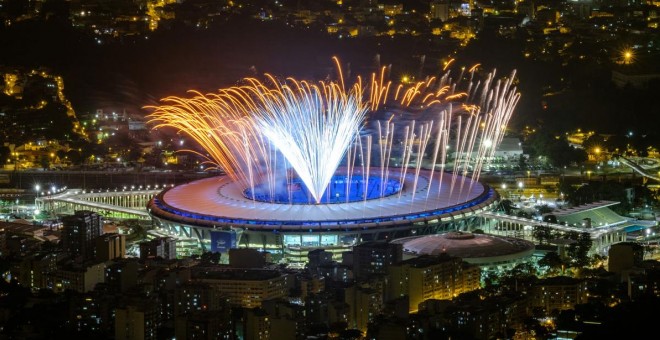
(259, 131)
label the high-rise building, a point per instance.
(163, 247)
(121, 274)
(204, 325)
(375, 257)
(34, 269)
(257, 325)
(439, 10)
(559, 292)
(432, 277)
(624, 256)
(318, 257)
(137, 321)
(197, 296)
(110, 246)
(247, 258)
(80, 231)
(76, 276)
(364, 303)
(247, 287)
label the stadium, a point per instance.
(216, 212)
(313, 165)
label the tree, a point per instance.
(74, 156)
(154, 158)
(209, 257)
(4, 153)
(138, 229)
(44, 161)
(522, 162)
(542, 233)
(133, 154)
(523, 214)
(550, 218)
(595, 191)
(544, 209)
(579, 250)
(507, 206)
(565, 188)
(552, 261)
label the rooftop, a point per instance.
(464, 245)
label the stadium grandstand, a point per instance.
(593, 215)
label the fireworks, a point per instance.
(257, 132)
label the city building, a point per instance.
(197, 296)
(34, 269)
(317, 257)
(309, 284)
(431, 277)
(205, 325)
(375, 257)
(121, 274)
(559, 293)
(247, 258)
(77, 276)
(364, 304)
(110, 246)
(246, 287)
(80, 231)
(163, 247)
(257, 325)
(624, 256)
(137, 321)
(486, 318)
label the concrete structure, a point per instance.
(375, 257)
(257, 325)
(137, 321)
(204, 326)
(559, 293)
(635, 80)
(163, 247)
(122, 204)
(431, 277)
(624, 256)
(196, 296)
(607, 227)
(247, 258)
(80, 232)
(246, 287)
(77, 277)
(217, 213)
(122, 274)
(34, 269)
(110, 246)
(490, 252)
(318, 257)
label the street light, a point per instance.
(37, 187)
(628, 56)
